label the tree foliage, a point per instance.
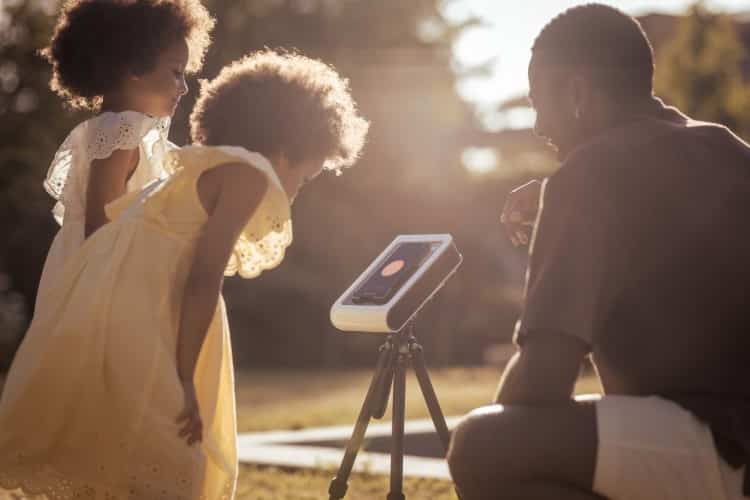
(700, 70)
(397, 56)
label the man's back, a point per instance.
(650, 220)
(675, 321)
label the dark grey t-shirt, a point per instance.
(642, 251)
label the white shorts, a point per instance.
(653, 449)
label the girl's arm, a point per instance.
(240, 191)
(107, 180)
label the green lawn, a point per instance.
(270, 483)
(272, 400)
(269, 400)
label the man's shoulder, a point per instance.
(585, 184)
(652, 143)
(583, 169)
(717, 136)
(621, 144)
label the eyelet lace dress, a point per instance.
(67, 177)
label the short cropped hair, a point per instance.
(97, 43)
(276, 102)
(609, 43)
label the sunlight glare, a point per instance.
(479, 160)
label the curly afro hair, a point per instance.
(281, 102)
(96, 43)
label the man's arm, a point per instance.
(568, 283)
(543, 371)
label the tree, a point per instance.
(32, 122)
(700, 70)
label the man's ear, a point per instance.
(579, 94)
(131, 75)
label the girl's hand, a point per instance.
(519, 212)
(192, 428)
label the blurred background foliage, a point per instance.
(413, 177)
(703, 69)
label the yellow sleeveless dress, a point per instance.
(89, 405)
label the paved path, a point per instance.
(324, 448)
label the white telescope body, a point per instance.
(397, 284)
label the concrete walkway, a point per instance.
(323, 448)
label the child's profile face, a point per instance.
(158, 91)
(294, 176)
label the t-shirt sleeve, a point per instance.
(567, 280)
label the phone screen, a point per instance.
(401, 264)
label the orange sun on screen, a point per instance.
(392, 268)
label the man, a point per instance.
(641, 258)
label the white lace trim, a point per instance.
(98, 138)
(264, 240)
(250, 256)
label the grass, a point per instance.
(271, 483)
(269, 400)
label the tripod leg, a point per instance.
(438, 419)
(338, 486)
(383, 389)
(397, 443)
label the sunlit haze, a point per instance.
(505, 38)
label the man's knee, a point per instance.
(512, 444)
(459, 451)
(477, 449)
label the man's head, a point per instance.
(588, 64)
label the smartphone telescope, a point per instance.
(386, 298)
(397, 284)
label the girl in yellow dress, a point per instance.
(134, 84)
(123, 387)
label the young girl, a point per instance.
(126, 59)
(128, 373)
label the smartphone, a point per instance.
(395, 269)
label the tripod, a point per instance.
(399, 349)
